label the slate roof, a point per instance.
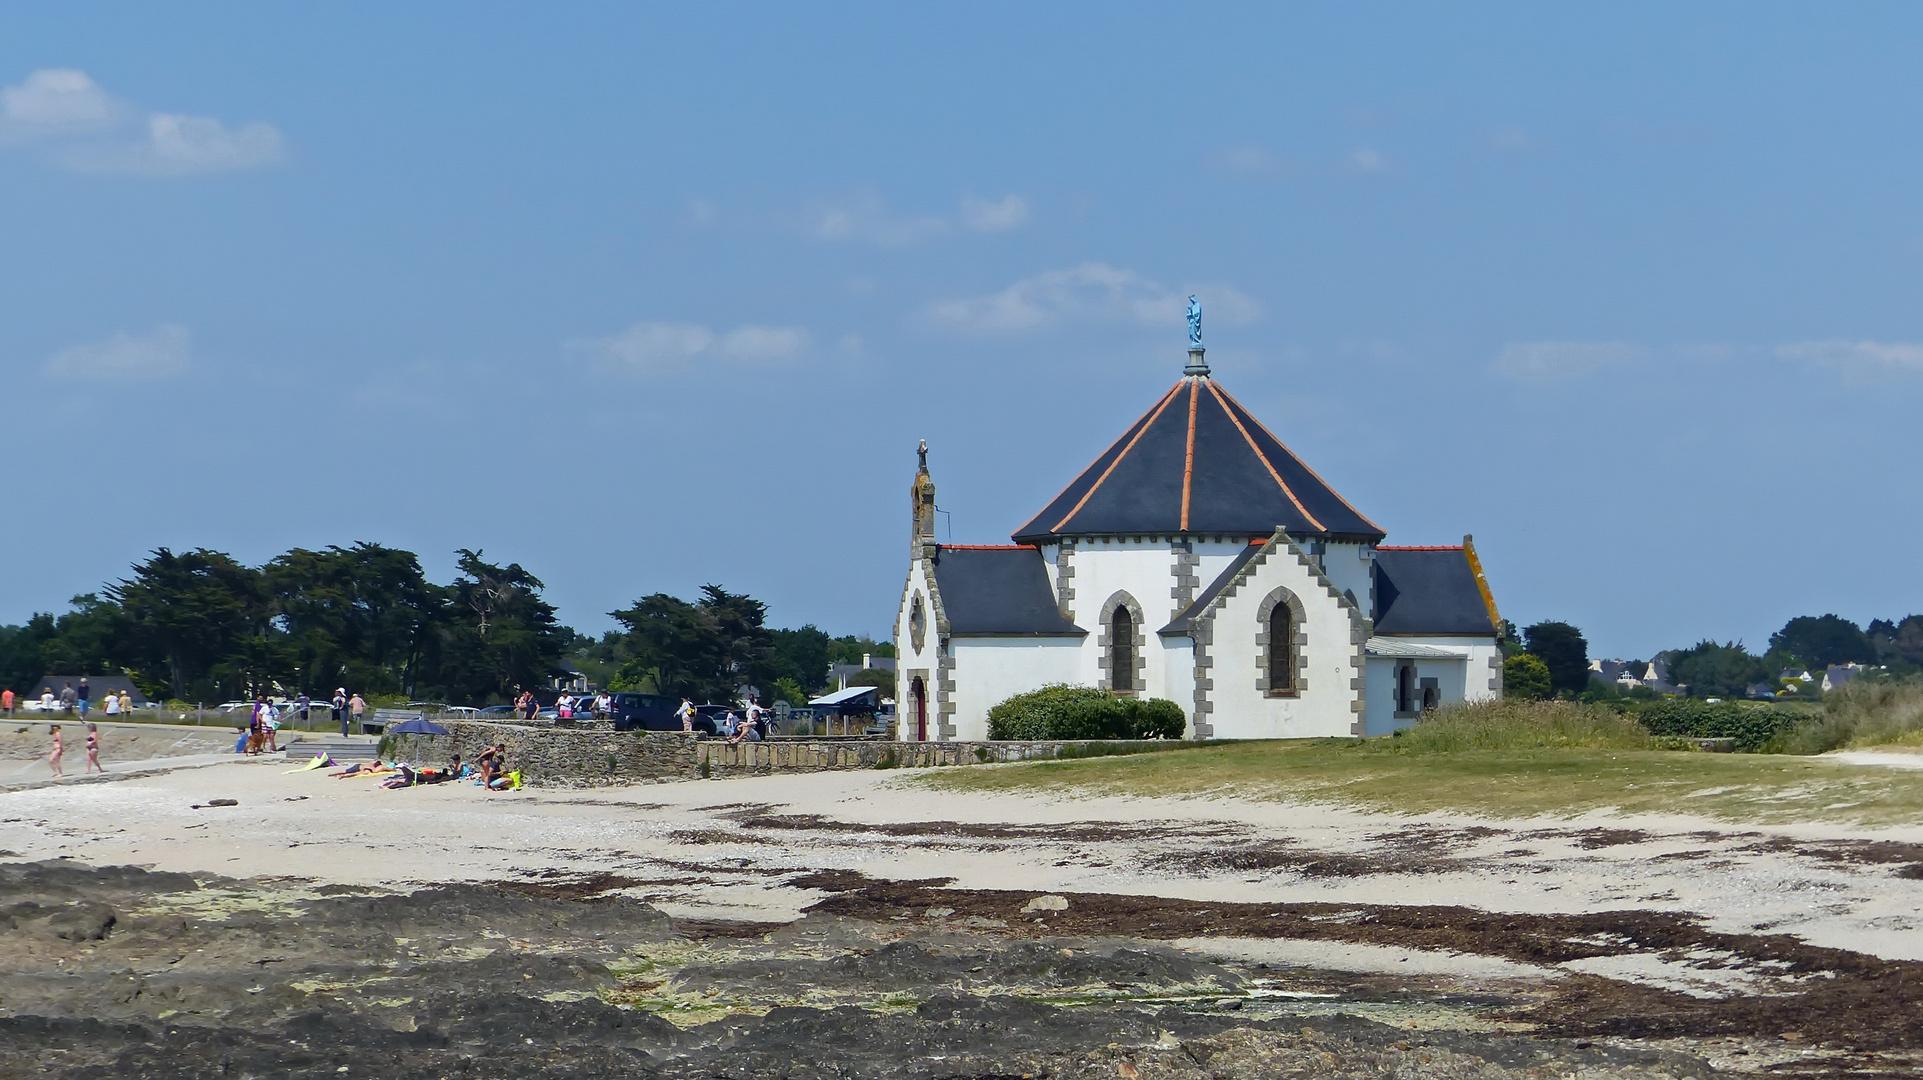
(998, 591)
(97, 685)
(1198, 463)
(1428, 590)
(1409, 650)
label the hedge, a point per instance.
(1750, 725)
(1061, 711)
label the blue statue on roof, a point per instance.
(1195, 323)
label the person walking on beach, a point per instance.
(93, 751)
(6, 702)
(81, 695)
(254, 722)
(340, 708)
(357, 706)
(53, 759)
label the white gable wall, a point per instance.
(1327, 699)
(910, 661)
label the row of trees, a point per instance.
(1551, 659)
(201, 626)
(706, 648)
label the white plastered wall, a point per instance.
(1349, 567)
(1382, 717)
(1325, 704)
(990, 670)
(1146, 571)
(1484, 667)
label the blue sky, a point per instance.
(644, 298)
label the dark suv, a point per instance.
(647, 712)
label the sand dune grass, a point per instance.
(1508, 760)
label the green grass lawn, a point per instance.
(1505, 782)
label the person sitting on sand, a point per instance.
(491, 760)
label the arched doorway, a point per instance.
(918, 693)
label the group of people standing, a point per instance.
(72, 699)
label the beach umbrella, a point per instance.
(417, 726)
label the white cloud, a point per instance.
(66, 115)
(53, 100)
(762, 344)
(203, 144)
(663, 347)
(1368, 160)
(866, 219)
(1248, 161)
(1859, 358)
(161, 354)
(1544, 360)
(1092, 290)
(1001, 215)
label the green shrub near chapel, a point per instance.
(1750, 725)
(1060, 711)
(1526, 677)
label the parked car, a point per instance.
(648, 712)
(467, 711)
(496, 712)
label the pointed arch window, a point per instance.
(1121, 636)
(1281, 650)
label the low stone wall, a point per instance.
(559, 756)
(565, 757)
(814, 755)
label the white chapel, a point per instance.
(1197, 559)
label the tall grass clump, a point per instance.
(1514, 724)
(1864, 713)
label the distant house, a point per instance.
(1656, 676)
(98, 686)
(1613, 671)
(568, 679)
(1838, 675)
(839, 674)
(1761, 690)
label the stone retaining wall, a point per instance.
(563, 757)
(558, 756)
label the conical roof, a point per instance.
(1197, 463)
